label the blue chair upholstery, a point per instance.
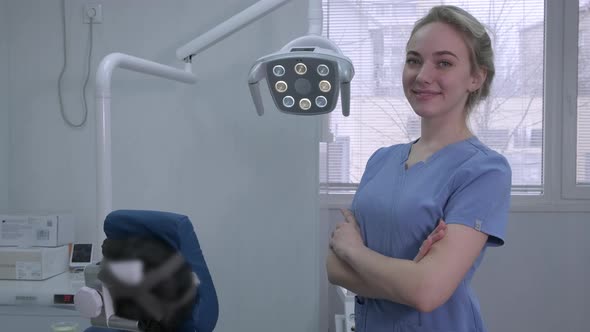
(176, 230)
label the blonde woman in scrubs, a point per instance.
(407, 189)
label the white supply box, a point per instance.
(33, 263)
(36, 230)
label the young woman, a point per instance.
(447, 174)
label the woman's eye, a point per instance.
(445, 64)
(412, 61)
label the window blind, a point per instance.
(583, 116)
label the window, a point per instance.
(520, 119)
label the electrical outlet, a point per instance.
(94, 11)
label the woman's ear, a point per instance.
(478, 78)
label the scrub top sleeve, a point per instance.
(480, 197)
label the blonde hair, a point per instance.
(476, 38)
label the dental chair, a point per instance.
(177, 232)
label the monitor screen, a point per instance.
(82, 253)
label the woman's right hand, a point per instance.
(437, 234)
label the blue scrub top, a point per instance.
(397, 208)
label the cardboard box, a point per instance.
(38, 263)
(36, 230)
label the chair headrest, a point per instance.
(178, 232)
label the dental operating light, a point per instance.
(305, 77)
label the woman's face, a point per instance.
(437, 76)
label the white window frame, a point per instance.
(560, 192)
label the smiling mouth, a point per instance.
(425, 92)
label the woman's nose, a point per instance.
(425, 74)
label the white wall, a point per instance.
(248, 183)
(538, 281)
(4, 126)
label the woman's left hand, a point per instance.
(347, 236)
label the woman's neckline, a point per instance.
(434, 155)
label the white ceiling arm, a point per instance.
(104, 187)
(124, 61)
(228, 27)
